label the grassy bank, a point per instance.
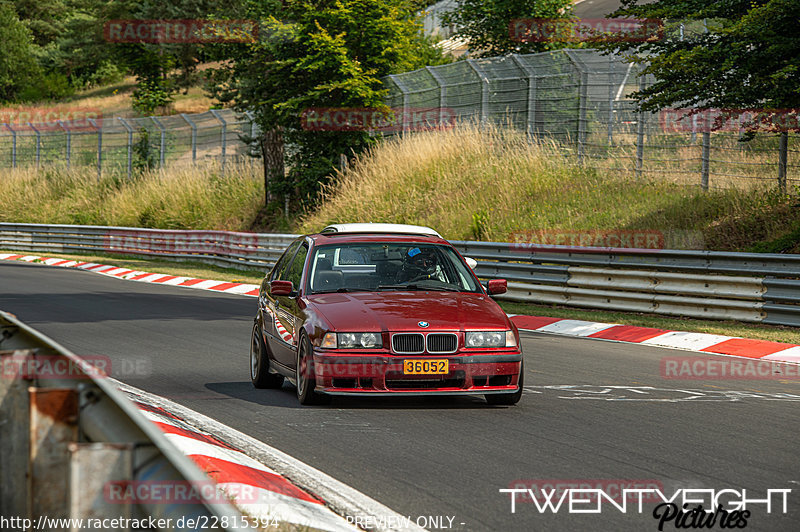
(491, 184)
(188, 198)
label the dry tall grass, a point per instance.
(490, 183)
(182, 198)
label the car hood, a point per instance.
(402, 311)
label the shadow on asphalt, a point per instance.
(285, 398)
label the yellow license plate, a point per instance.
(425, 367)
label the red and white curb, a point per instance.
(699, 342)
(140, 276)
(240, 467)
(254, 488)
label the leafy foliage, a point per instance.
(485, 24)
(747, 54)
(319, 53)
(18, 67)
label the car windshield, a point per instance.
(376, 266)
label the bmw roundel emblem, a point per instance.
(423, 324)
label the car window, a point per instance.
(294, 273)
(283, 262)
(388, 266)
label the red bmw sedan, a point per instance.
(382, 309)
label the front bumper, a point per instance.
(345, 374)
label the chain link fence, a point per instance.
(578, 98)
(581, 99)
(123, 144)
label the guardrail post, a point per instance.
(38, 142)
(69, 141)
(194, 136)
(54, 424)
(783, 160)
(224, 135)
(706, 167)
(163, 146)
(15, 433)
(13, 145)
(92, 466)
(129, 129)
(99, 147)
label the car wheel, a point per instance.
(259, 362)
(508, 398)
(303, 375)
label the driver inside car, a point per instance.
(420, 264)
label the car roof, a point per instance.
(380, 228)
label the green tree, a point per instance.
(486, 24)
(745, 55)
(18, 67)
(317, 54)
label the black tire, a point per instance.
(259, 362)
(508, 399)
(304, 382)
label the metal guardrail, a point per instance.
(221, 248)
(751, 287)
(68, 433)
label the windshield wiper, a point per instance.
(342, 289)
(416, 287)
(399, 287)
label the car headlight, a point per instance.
(349, 340)
(491, 339)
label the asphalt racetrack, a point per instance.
(594, 412)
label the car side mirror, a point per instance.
(496, 286)
(471, 262)
(281, 288)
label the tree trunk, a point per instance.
(272, 151)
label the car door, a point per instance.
(287, 312)
(267, 302)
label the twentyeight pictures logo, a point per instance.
(682, 508)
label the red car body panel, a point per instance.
(379, 371)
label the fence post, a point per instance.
(194, 136)
(69, 141)
(99, 147)
(397, 81)
(640, 134)
(129, 129)
(783, 160)
(38, 142)
(530, 114)
(13, 145)
(163, 147)
(224, 135)
(610, 128)
(484, 90)
(583, 96)
(442, 94)
(706, 168)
